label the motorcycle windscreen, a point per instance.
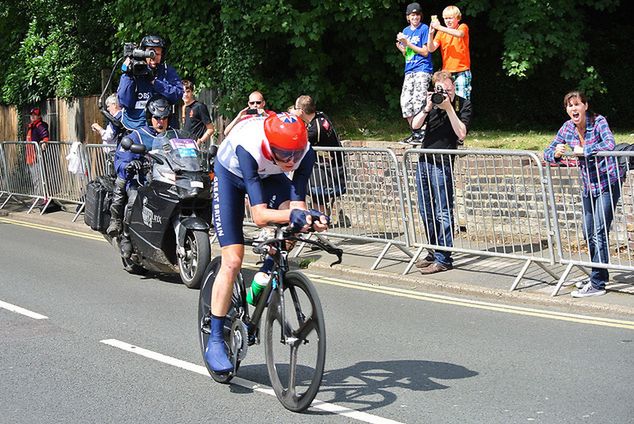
(185, 154)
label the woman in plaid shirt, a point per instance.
(587, 133)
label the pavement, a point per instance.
(486, 278)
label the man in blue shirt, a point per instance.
(411, 42)
(135, 90)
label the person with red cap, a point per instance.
(256, 158)
(37, 131)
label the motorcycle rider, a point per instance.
(255, 159)
(135, 90)
(127, 164)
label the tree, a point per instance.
(55, 48)
(534, 32)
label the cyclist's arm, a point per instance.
(300, 182)
(261, 214)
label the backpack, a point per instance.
(626, 162)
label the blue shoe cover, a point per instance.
(216, 352)
(216, 357)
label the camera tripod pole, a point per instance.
(100, 102)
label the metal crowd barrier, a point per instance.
(362, 190)
(23, 179)
(61, 184)
(499, 200)
(96, 157)
(506, 203)
(3, 175)
(569, 210)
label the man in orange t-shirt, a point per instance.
(453, 40)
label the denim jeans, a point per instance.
(434, 180)
(598, 212)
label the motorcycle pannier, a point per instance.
(98, 200)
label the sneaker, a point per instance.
(582, 283)
(426, 261)
(407, 140)
(588, 291)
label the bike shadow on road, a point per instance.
(370, 385)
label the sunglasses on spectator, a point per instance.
(257, 102)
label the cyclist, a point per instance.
(257, 159)
(157, 114)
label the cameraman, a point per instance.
(448, 118)
(140, 82)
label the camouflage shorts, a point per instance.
(414, 92)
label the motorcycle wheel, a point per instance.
(133, 268)
(197, 257)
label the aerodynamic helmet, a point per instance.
(286, 136)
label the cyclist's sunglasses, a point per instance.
(287, 156)
(160, 118)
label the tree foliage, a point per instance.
(52, 48)
(342, 52)
(534, 32)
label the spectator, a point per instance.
(447, 124)
(587, 133)
(110, 134)
(329, 180)
(196, 117)
(453, 40)
(255, 107)
(418, 68)
(135, 90)
(37, 131)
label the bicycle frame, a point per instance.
(280, 268)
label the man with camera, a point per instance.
(255, 107)
(145, 75)
(448, 118)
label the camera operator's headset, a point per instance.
(147, 41)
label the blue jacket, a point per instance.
(123, 157)
(134, 92)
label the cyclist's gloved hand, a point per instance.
(134, 166)
(299, 218)
(317, 217)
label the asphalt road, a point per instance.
(393, 355)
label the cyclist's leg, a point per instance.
(228, 216)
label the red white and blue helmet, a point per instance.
(286, 136)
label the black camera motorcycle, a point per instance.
(168, 218)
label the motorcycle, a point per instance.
(169, 217)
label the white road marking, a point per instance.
(199, 369)
(22, 311)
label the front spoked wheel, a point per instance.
(234, 333)
(192, 266)
(295, 342)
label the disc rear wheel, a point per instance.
(204, 319)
